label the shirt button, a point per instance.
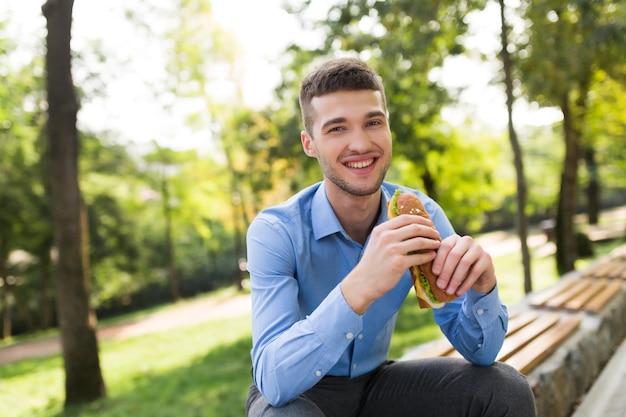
(318, 373)
(360, 337)
(480, 311)
(354, 366)
(480, 345)
(349, 335)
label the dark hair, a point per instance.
(339, 74)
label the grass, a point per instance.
(196, 371)
(205, 370)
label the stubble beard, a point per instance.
(350, 188)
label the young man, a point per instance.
(329, 272)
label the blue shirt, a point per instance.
(302, 327)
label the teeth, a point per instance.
(362, 164)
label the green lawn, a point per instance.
(203, 370)
(196, 371)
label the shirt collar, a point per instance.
(325, 221)
(323, 217)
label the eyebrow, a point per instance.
(333, 121)
(375, 113)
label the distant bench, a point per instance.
(552, 316)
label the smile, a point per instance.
(360, 164)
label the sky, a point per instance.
(263, 30)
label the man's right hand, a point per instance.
(393, 247)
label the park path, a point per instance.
(189, 313)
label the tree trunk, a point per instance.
(172, 276)
(593, 186)
(566, 250)
(45, 307)
(429, 184)
(521, 218)
(236, 203)
(5, 311)
(83, 376)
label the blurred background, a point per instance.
(189, 125)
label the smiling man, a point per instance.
(329, 272)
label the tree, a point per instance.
(522, 219)
(567, 43)
(83, 376)
(168, 162)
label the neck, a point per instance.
(357, 214)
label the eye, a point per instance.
(336, 129)
(374, 123)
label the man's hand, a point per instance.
(461, 264)
(393, 247)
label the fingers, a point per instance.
(410, 226)
(402, 242)
(463, 264)
(413, 235)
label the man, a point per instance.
(329, 272)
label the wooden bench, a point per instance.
(613, 268)
(550, 316)
(583, 326)
(530, 338)
(578, 294)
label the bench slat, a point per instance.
(521, 338)
(576, 287)
(600, 270)
(614, 268)
(544, 296)
(543, 345)
(578, 302)
(443, 347)
(620, 271)
(519, 321)
(601, 298)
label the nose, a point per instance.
(361, 141)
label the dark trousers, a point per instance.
(438, 387)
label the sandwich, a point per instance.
(424, 281)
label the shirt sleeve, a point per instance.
(290, 353)
(475, 325)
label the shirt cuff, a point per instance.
(482, 308)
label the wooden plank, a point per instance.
(596, 303)
(443, 347)
(538, 300)
(577, 286)
(543, 345)
(600, 270)
(613, 268)
(524, 336)
(520, 321)
(620, 271)
(578, 302)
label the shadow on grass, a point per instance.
(215, 385)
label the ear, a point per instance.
(307, 144)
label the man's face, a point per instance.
(351, 140)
